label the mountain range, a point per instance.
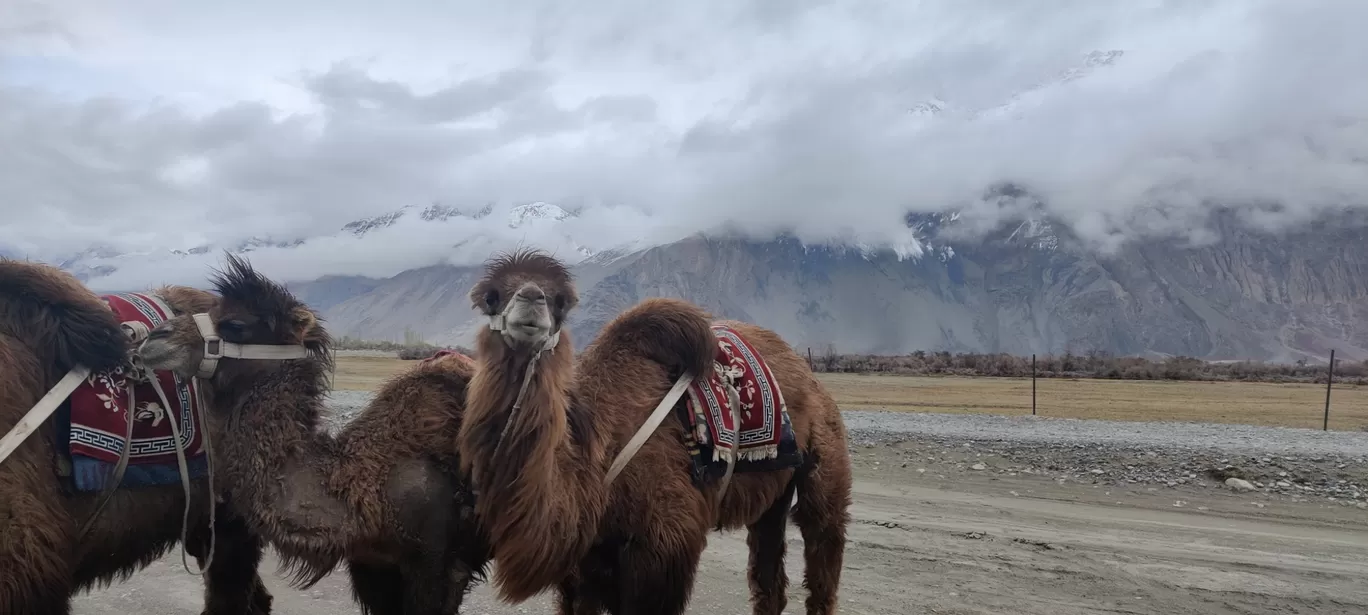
(1030, 286)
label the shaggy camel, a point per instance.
(384, 494)
(540, 428)
(50, 323)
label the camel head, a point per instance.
(527, 296)
(252, 321)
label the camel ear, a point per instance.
(302, 319)
(483, 295)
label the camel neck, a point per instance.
(268, 413)
(541, 489)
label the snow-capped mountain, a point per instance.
(528, 215)
(435, 212)
(100, 261)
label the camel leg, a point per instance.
(424, 583)
(575, 597)
(768, 583)
(654, 583)
(822, 514)
(232, 584)
(459, 577)
(567, 596)
(378, 588)
(35, 541)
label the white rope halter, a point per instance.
(215, 348)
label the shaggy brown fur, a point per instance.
(384, 494)
(634, 547)
(50, 322)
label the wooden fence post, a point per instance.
(1033, 384)
(812, 366)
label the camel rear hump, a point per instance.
(60, 319)
(672, 332)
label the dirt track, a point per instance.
(939, 537)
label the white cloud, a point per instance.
(149, 124)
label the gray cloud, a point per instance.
(828, 120)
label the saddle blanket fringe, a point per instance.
(98, 412)
(765, 439)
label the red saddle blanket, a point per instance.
(764, 417)
(99, 406)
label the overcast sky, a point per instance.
(146, 124)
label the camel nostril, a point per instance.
(532, 293)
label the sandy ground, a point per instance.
(949, 524)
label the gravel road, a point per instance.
(1243, 438)
(1036, 516)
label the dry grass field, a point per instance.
(1282, 405)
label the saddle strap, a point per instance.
(184, 469)
(652, 422)
(733, 398)
(40, 412)
(136, 332)
(116, 476)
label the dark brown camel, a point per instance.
(632, 547)
(383, 495)
(50, 323)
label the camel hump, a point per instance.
(672, 332)
(57, 317)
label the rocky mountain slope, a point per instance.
(1026, 288)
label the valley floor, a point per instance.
(1070, 518)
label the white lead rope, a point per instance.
(184, 469)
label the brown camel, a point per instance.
(384, 494)
(540, 429)
(49, 324)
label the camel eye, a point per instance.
(491, 297)
(232, 327)
(560, 302)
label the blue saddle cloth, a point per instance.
(90, 474)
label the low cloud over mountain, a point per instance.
(141, 142)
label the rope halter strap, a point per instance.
(499, 323)
(216, 348)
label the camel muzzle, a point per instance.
(526, 319)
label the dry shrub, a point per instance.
(1094, 364)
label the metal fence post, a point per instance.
(1033, 384)
(1329, 381)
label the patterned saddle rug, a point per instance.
(764, 441)
(94, 424)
